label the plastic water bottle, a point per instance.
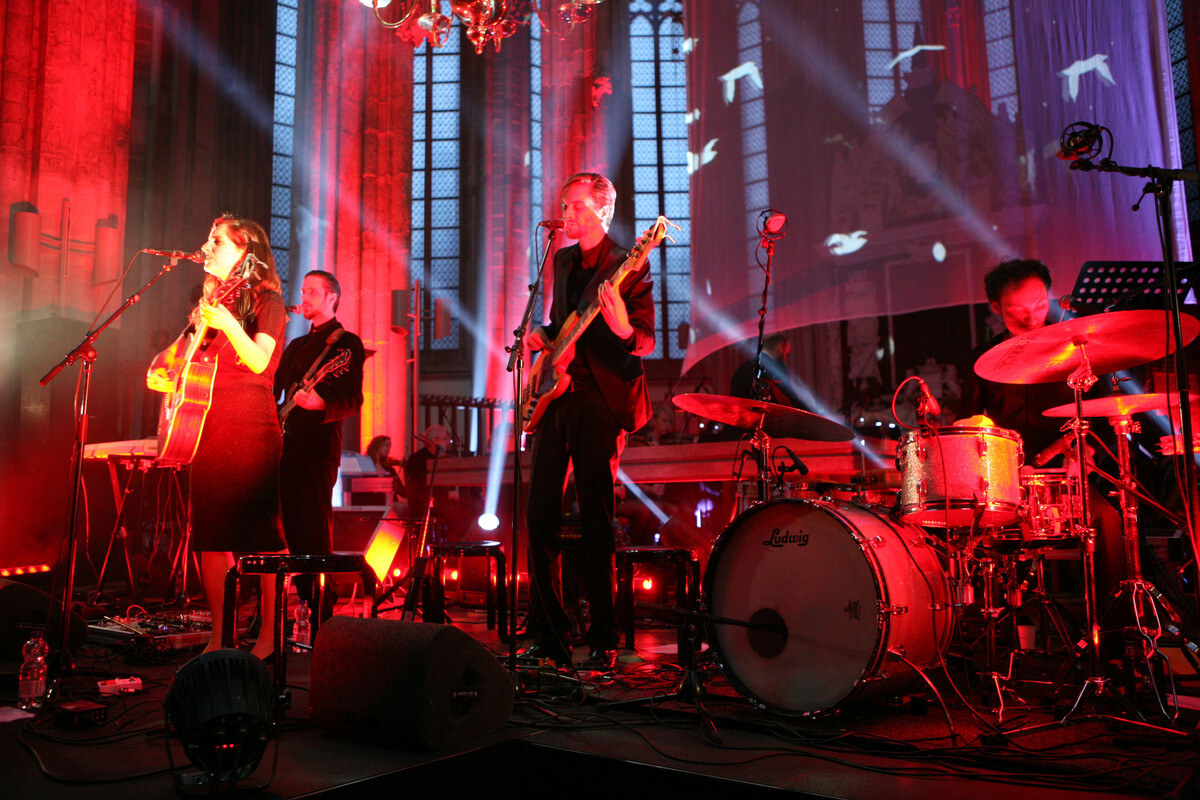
(31, 691)
(302, 631)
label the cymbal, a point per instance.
(1117, 405)
(1113, 342)
(779, 421)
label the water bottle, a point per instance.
(302, 631)
(31, 692)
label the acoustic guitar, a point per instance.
(548, 378)
(185, 409)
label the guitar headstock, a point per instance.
(238, 280)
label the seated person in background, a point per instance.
(417, 473)
(379, 451)
(780, 387)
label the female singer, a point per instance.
(234, 477)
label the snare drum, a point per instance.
(1053, 506)
(952, 476)
(835, 590)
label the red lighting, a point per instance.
(647, 584)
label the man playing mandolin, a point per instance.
(586, 425)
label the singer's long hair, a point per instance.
(249, 234)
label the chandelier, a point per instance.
(485, 20)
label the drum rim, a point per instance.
(966, 430)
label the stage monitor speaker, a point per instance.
(22, 606)
(406, 683)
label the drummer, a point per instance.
(1019, 292)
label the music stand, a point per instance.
(1126, 285)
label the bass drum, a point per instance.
(835, 592)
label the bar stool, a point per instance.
(497, 593)
(687, 582)
(281, 566)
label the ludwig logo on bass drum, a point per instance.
(780, 538)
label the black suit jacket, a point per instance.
(616, 363)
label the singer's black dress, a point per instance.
(233, 494)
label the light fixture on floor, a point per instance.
(222, 706)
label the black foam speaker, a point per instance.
(23, 607)
(406, 683)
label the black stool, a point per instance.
(687, 582)
(281, 566)
(497, 593)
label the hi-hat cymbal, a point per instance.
(777, 420)
(1117, 405)
(1114, 341)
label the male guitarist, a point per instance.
(586, 425)
(312, 429)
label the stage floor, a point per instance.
(565, 734)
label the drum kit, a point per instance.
(816, 601)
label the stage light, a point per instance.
(648, 584)
(488, 522)
(221, 705)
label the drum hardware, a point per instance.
(766, 420)
(690, 688)
(1069, 350)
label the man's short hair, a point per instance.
(331, 284)
(603, 193)
(1010, 273)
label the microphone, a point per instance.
(797, 464)
(1075, 146)
(772, 224)
(197, 256)
(424, 440)
(552, 223)
(928, 405)
(293, 309)
(1062, 445)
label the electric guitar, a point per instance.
(334, 366)
(184, 410)
(548, 378)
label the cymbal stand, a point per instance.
(1095, 684)
(1145, 600)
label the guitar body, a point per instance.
(547, 382)
(181, 420)
(548, 379)
(184, 410)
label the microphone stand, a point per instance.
(1160, 185)
(86, 351)
(516, 365)
(760, 444)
